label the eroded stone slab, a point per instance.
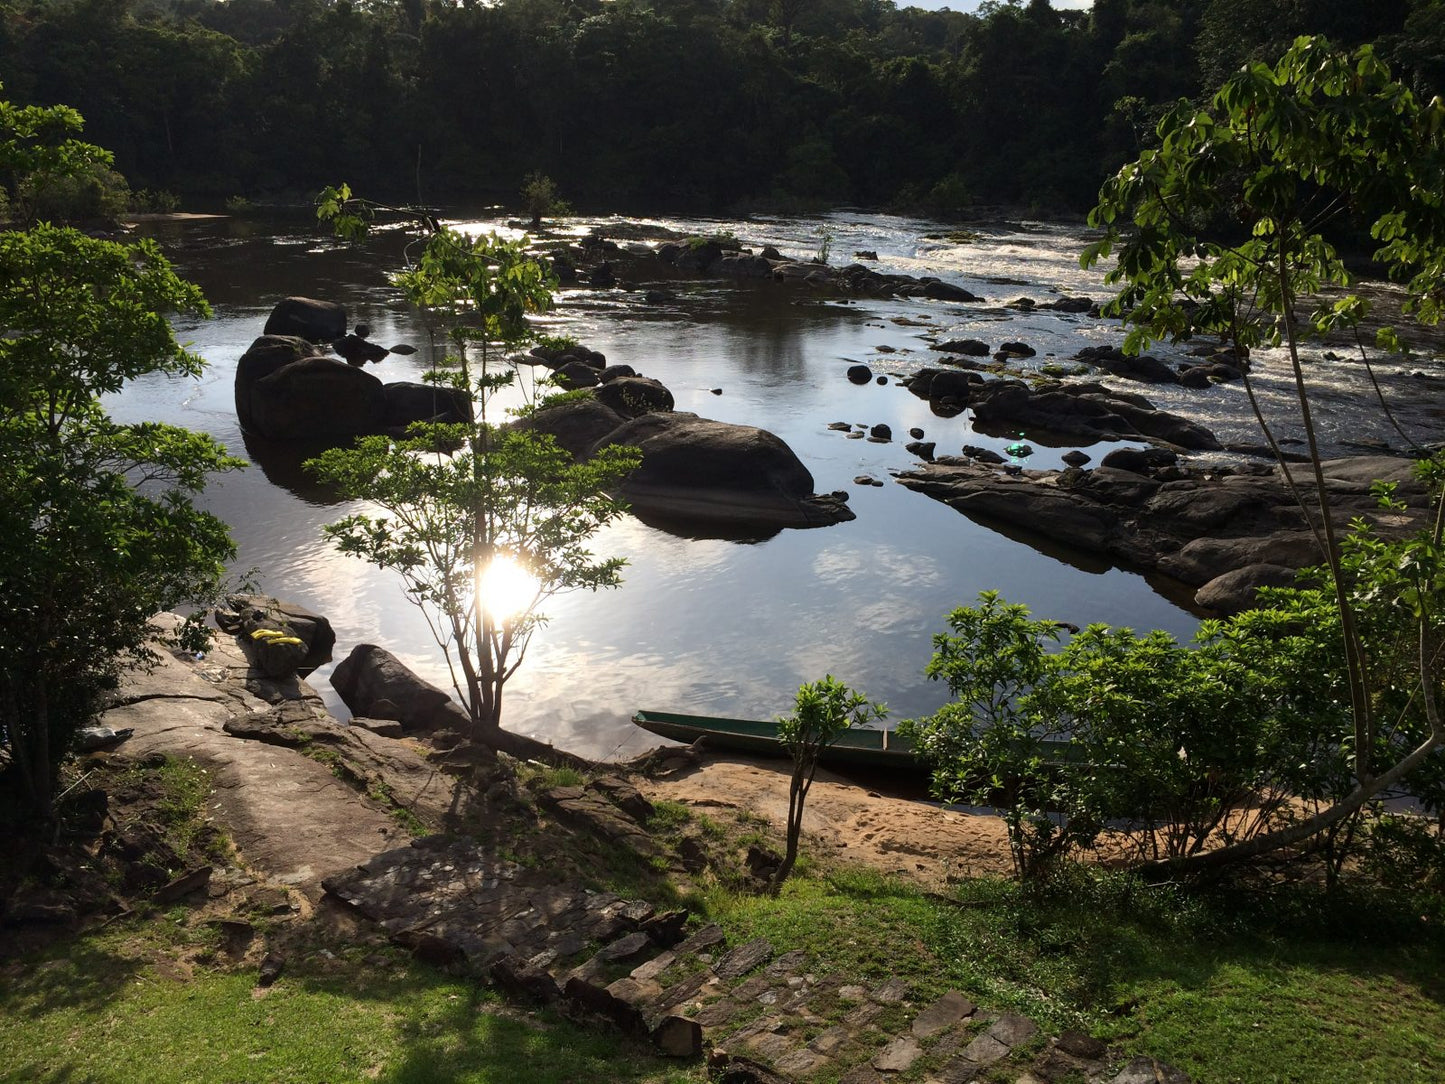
(1150, 1071)
(891, 992)
(898, 1056)
(985, 1050)
(942, 1014)
(1012, 1029)
(739, 961)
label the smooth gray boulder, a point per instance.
(576, 426)
(409, 401)
(1235, 590)
(374, 683)
(262, 358)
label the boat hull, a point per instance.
(853, 748)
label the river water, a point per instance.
(703, 625)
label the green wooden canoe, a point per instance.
(855, 748)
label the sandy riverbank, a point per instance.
(896, 835)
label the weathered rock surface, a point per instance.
(408, 401)
(1086, 412)
(577, 426)
(288, 814)
(693, 469)
(1225, 532)
(244, 615)
(701, 470)
(287, 390)
(373, 682)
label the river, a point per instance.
(710, 625)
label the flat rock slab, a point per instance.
(1149, 1071)
(744, 958)
(898, 1056)
(985, 1050)
(942, 1014)
(288, 815)
(1012, 1029)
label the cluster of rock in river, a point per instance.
(1223, 531)
(693, 469)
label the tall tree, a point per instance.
(483, 522)
(1289, 151)
(97, 526)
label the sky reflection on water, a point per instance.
(704, 625)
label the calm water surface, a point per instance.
(705, 625)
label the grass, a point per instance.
(1246, 986)
(1238, 987)
(119, 1007)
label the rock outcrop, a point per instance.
(694, 470)
(287, 390)
(726, 257)
(1225, 532)
(374, 683)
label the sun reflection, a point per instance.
(507, 588)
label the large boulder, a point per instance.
(310, 398)
(307, 318)
(267, 627)
(409, 401)
(1236, 590)
(632, 396)
(375, 684)
(697, 469)
(578, 425)
(262, 358)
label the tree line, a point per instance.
(716, 105)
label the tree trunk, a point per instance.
(1296, 833)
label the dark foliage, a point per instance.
(702, 104)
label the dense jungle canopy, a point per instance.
(688, 104)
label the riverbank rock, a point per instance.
(1085, 412)
(408, 401)
(693, 470)
(309, 398)
(1224, 532)
(374, 683)
(279, 637)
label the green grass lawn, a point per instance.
(1230, 989)
(124, 1006)
(1248, 986)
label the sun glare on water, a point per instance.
(506, 588)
